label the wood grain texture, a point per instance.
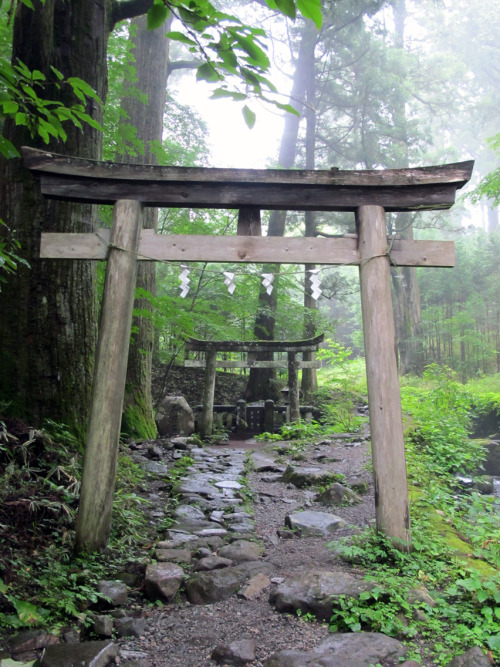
(246, 249)
(270, 196)
(386, 425)
(44, 161)
(293, 386)
(207, 414)
(195, 345)
(101, 449)
(76, 179)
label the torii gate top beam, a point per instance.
(77, 179)
(307, 345)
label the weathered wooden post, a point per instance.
(386, 424)
(207, 415)
(101, 450)
(269, 415)
(293, 386)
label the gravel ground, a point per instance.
(184, 635)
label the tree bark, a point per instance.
(48, 323)
(309, 382)
(151, 64)
(406, 292)
(49, 313)
(262, 382)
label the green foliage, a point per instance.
(39, 489)
(464, 612)
(489, 186)
(233, 52)
(303, 430)
(442, 422)
(9, 258)
(23, 98)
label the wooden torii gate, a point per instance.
(211, 347)
(130, 187)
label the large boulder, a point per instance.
(303, 476)
(314, 524)
(162, 581)
(240, 551)
(336, 494)
(216, 585)
(93, 654)
(316, 592)
(174, 417)
(356, 649)
(474, 657)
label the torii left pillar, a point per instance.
(101, 448)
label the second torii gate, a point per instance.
(130, 187)
(210, 364)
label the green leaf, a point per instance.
(249, 116)
(207, 72)
(58, 74)
(83, 87)
(180, 37)
(36, 75)
(311, 9)
(28, 3)
(157, 15)
(7, 149)
(494, 642)
(287, 7)
(221, 92)
(10, 107)
(258, 55)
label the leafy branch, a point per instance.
(21, 100)
(230, 49)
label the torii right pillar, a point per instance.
(384, 396)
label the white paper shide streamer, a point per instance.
(267, 282)
(184, 278)
(315, 283)
(229, 281)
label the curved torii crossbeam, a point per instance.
(130, 187)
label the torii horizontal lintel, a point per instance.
(77, 179)
(246, 249)
(307, 345)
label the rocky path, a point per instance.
(245, 549)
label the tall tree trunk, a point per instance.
(49, 315)
(262, 381)
(48, 323)
(151, 64)
(309, 382)
(406, 292)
